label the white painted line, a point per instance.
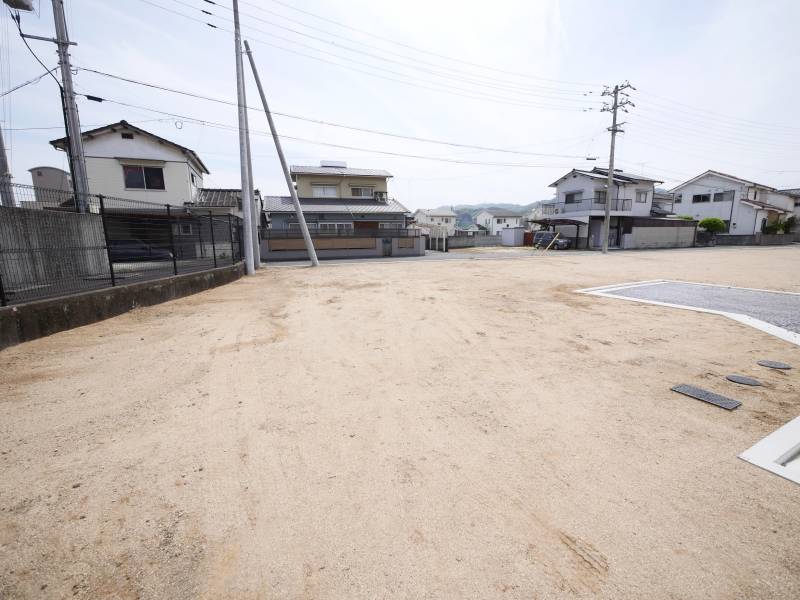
(734, 287)
(619, 286)
(779, 452)
(779, 332)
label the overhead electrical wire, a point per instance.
(506, 84)
(410, 47)
(470, 93)
(27, 83)
(329, 123)
(230, 127)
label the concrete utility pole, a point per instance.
(256, 244)
(614, 129)
(312, 254)
(6, 191)
(75, 140)
(247, 198)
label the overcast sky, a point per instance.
(717, 87)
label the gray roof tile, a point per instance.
(283, 204)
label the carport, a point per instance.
(553, 223)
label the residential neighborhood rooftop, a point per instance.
(726, 176)
(284, 204)
(218, 198)
(61, 143)
(601, 173)
(325, 169)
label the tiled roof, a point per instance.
(303, 170)
(61, 143)
(791, 192)
(283, 204)
(438, 212)
(212, 197)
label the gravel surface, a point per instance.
(429, 429)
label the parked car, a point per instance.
(135, 250)
(542, 239)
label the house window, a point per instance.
(127, 136)
(143, 178)
(501, 220)
(723, 196)
(697, 198)
(362, 192)
(194, 179)
(573, 198)
(395, 225)
(600, 196)
(296, 226)
(641, 196)
(325, 191)
(678, 198)
(335, 228)
(182, 229)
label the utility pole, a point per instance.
(614, 129)
(256, 244)
(312, 254)
(247, 199)
(74, 138)
(6, 191)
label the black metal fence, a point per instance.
(349, 232)
(49, 249)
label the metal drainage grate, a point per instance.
(706, 396)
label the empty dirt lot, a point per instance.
(429, 429)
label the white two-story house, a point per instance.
(494, 220)
(745, 206)
(437, 219)
(125, 161)
(578, 208)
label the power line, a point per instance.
(410, 47)
(318, 143)
(330, 123)
(29, 82)
(415, 61)
(472, 94)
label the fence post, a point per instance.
(230, 234)
(105, 236)
(213, 244)
(171, 240)
(3, 300)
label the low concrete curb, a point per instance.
(25, 322)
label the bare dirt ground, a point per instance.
(430, 429)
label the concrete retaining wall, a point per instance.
(25, 322)
(759, 239)
(473, 241)
(659, 237)
(273, 250)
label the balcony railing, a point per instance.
(586, 205)
(284, 234)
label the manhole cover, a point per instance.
(743, 380)
(706, 396)
(774, 364)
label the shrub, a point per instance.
(686, 217)
(713, 225)
(789, 224)
(772, 228)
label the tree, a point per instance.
(789, 224)
(713, 225)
